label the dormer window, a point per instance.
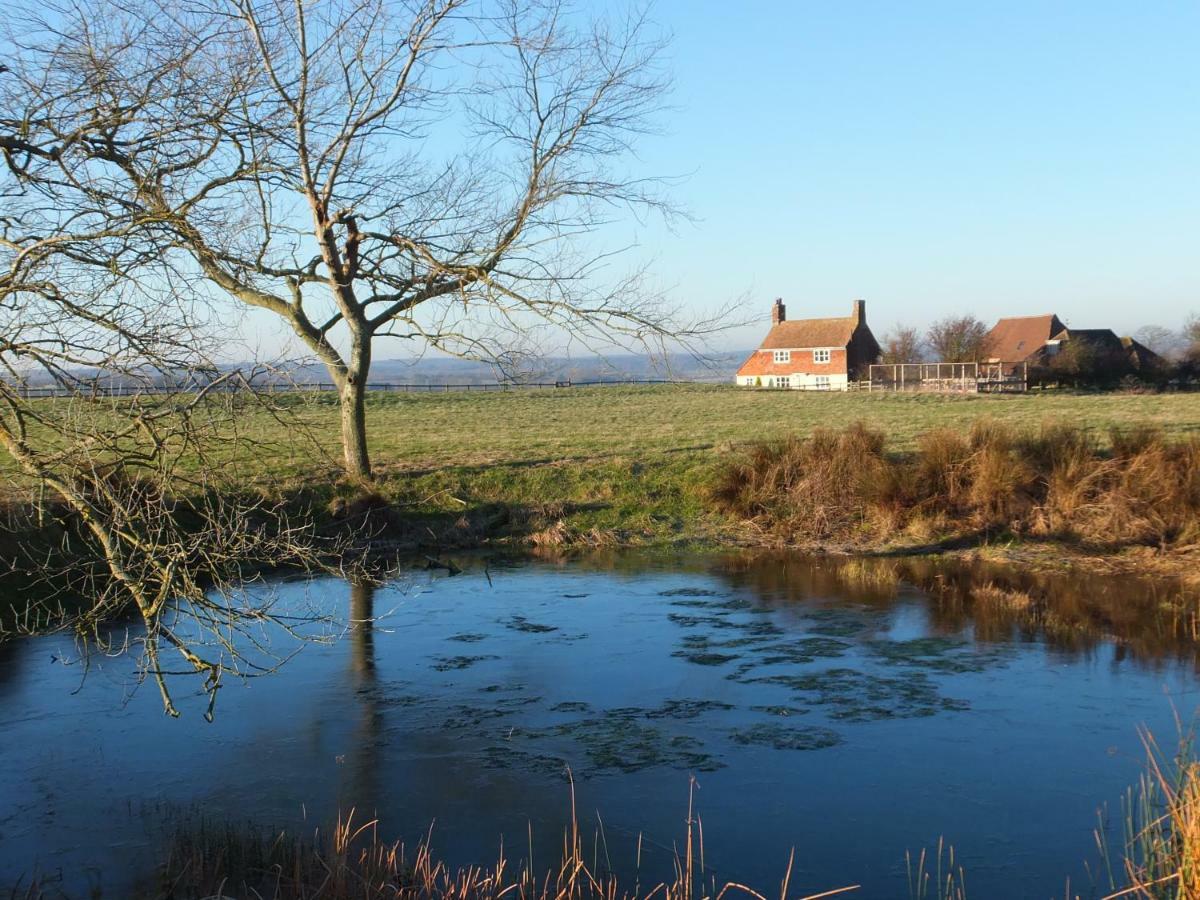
(820, 356)
(783, 356)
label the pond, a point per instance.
(853, 710)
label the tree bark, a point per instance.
(354, 412)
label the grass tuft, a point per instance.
(845, 486)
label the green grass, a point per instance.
(635, 460)
(631, 462)
(430, 430)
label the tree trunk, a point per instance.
(354, 412)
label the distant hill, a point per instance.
(429, 370)
(445, 370)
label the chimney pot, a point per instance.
(778, 312)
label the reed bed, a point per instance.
(1159, 856)
(962, 485)
(353, 863)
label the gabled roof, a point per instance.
(1139, 354)
(1018, 337)
(1100, 338)
(804, 334)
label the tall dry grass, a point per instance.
(1159, 858)
(1055, 482)
(353, 863)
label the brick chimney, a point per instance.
(778, 312)
(859, 315)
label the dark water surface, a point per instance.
(851, 710)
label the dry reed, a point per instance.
(1160, 856)
(353, 863)
(1052, 483)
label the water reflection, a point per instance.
(1148, 619)
(851, 708)
(364, 757)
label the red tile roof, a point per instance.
(760, 363)
(808, 333)
(1017, 338)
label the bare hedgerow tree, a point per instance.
(439, 170)
(1163, 341)
(903, 344)
(959, 339)
(1191, 335)
(153, 521)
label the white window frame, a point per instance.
(782, 356)
(821, 382)
(823, 355)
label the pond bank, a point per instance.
(1050, 498)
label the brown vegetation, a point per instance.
(1160, 856)
(843, 486)
(355, 863)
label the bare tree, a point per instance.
(1163, 341)
(1189, 363)
(154, 522)
(959, 339)
(423, 169)
(903, 344)
(1191, 334)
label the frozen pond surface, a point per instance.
(851, 710)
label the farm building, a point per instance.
(1022, 338)
(1036, 340)
(811, 354)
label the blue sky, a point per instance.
(935, 158)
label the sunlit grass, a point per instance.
(631, 463)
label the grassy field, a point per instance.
(628, 464)
(431, 430)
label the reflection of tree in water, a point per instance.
(363, 756)
(9, 665)
(362, 633)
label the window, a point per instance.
(821, 382)
(782, 356)
(820, 356)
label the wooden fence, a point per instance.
(948, 378)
